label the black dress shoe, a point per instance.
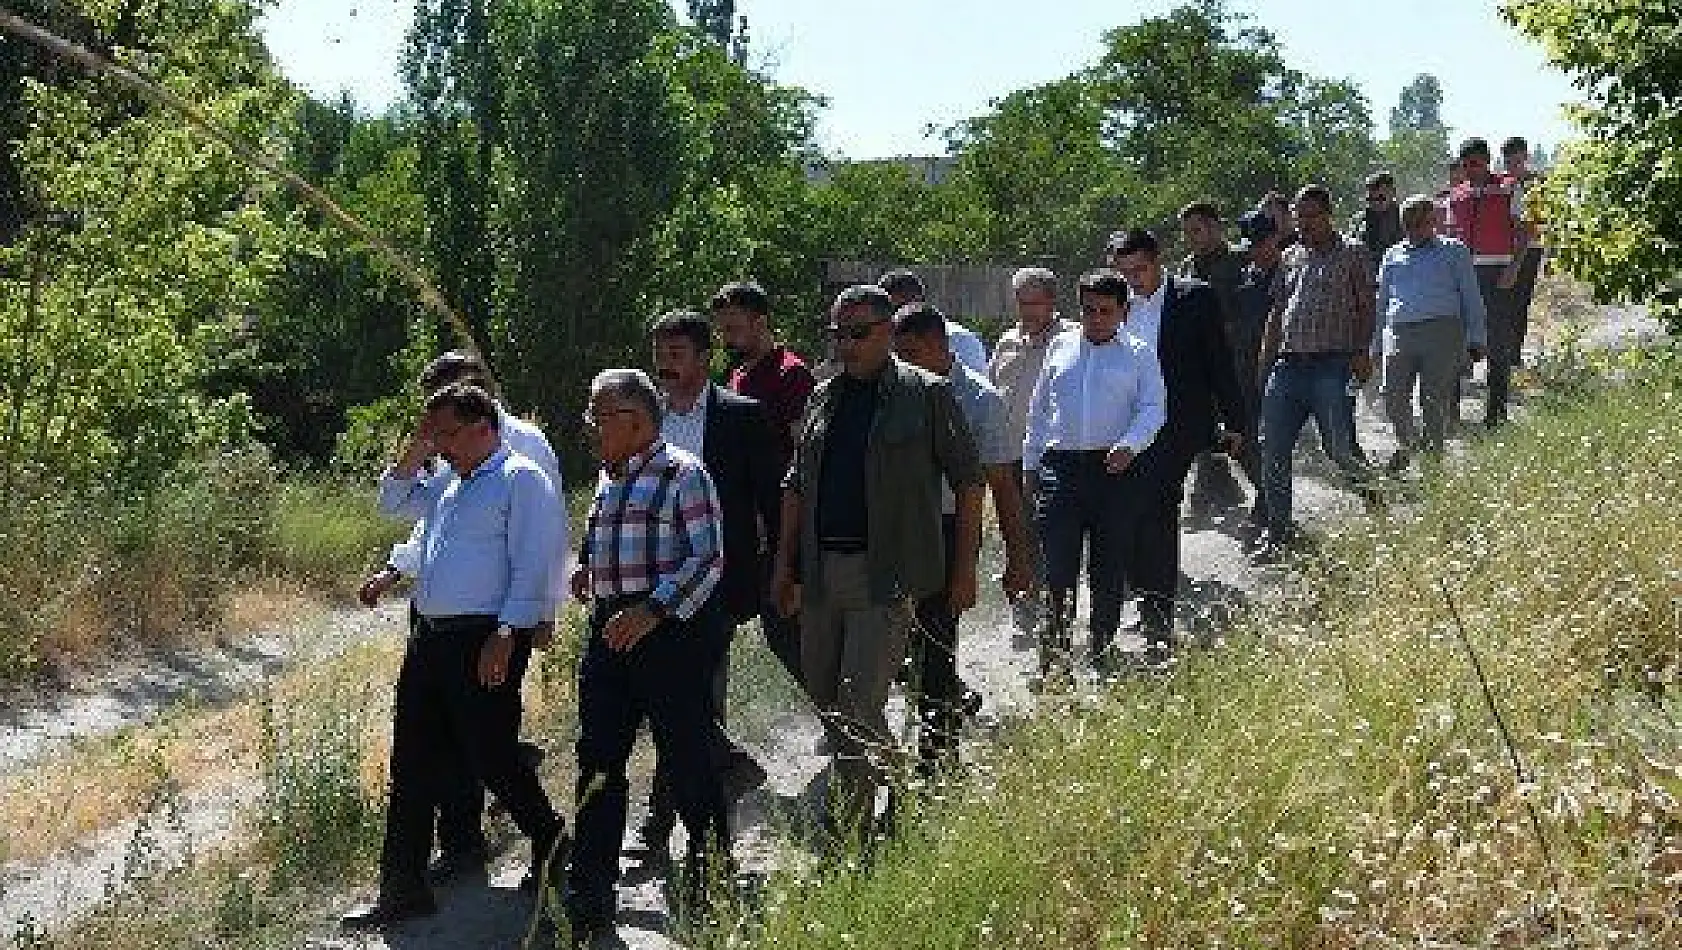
(389, 911)
(453, 866)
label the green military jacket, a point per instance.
(917, 442)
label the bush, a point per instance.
(326, 533)
(1332, 777)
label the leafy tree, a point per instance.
(1614, 199)
(159, 247)
(1417, 150)
(714, 18)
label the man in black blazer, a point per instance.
(1181, 319)
(735, 441)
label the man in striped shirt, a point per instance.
(651, 559)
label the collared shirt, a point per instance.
(1017, 361)
(656, 530)
(984, 416)
(782, 383)
(1144, 315)
(1430, 281)
(967, 347)
(688, 430)
(490, 542)
(1095, 396)
(1327, 298)
(522, 438)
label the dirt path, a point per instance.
(993, 659)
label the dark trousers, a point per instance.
(1156, 486)
(664, 679)
(1080, 504)
(722, 751)
(445, 726)
(1506, 337)
(934, 663)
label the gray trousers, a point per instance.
(1430, 354)
(849, 650)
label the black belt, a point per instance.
(1088, 455)
(842, 545)
(457, 623)
(1314, 357)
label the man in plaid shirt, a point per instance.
(651, 559)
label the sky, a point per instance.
(892, 68)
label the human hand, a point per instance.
(625, 629)
(961, 591)
(543, 635)
(1117, 461)
(1360, 367)
(785, 594)
(1018, 578)
(580, 583)
(493, 660)
(376, 585)
(1509, 277)
(1232, 442)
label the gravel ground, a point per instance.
(993, 657)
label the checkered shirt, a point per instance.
(656, 530)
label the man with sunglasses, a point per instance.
(861, 528)
(481, 589)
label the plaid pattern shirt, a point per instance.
(656, 530)
(1327, 294)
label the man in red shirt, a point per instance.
(778, 378)
(1486, 214)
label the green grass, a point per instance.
(1332, 776)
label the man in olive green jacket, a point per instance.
(861, 529)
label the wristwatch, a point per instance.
(504, 631)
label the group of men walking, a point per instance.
(845, 516)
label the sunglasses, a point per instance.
(853, 331)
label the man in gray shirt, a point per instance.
(942, 698)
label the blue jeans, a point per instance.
(1299, 388)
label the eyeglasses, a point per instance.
(594, 420)
(853, 331)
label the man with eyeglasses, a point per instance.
(861, 536)
(652, 558)
(481, 589)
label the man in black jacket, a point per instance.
(734, 440)
(1181, 319)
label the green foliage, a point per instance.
(324, 533)
(1330, 776)
(1614, 199)
(1417, 151)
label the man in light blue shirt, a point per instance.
(1431, 317)
(942, 697)
(481, 588)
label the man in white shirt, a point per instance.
(904, 287)
(1097, 406)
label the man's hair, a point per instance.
(901, 282)
(1105, 283)
(1473, 146)
(1318, 194)
(1417, 208)
(1132, 241)
(920, 319)
(456, 366)
(1273, 198)
(469, 402)
(1202, 208)
(683, 325)
(1514, 145)
(746, 294)
(1381, 180)
(629, 385)
(1038, 278)
(863, 295)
